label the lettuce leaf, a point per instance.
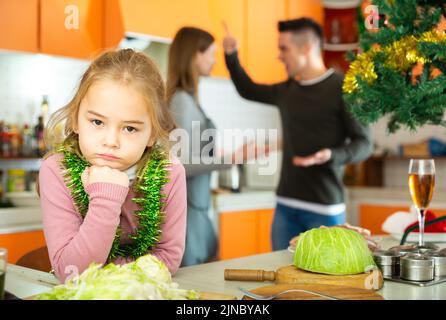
(147, 278)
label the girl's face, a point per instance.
(113, 124)
(205, 60)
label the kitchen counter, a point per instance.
(210, 277)
(29, 218)
(20, 219)
(25, 282)
(247, 199)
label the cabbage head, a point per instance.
(147, 278)
(336, 251)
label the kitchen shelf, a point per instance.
(340, 4)
(341, 46)
(31, 164)
(28, 164)
(18, 158)
(414, 157)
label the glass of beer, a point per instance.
(421, 186)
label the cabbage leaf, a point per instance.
(147, 278)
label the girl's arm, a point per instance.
(170, 249)
(73, 243)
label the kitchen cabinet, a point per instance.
(19, 25)
(20, 243)
(372, 216)
(309, 8)
(262, 17)
(163, 18)
(341, 32)
(82, 28)
(264, 223)
(233, 13)
(72, 28)
(262, 35)
(245, 233)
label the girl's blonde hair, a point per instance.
(182, 73)
(129, 68)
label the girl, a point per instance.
(109, 192)
(191, 55)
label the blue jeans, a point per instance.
(290, 222)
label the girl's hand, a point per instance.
(104, 174)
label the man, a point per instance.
(319, 135)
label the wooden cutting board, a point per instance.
(292, 275)
(203, 296)
(216, 296)
(340, 292)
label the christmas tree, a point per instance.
(401, 71)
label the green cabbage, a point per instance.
(336, 251)
(147, 278)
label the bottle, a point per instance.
(16, 142)
(6, 142)
(1, 138)
(27, 146)
(235, 178)
(38, 134)
(335, 31)
(16, 180)
(44, 109)
(1, 186)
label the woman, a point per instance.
(191, 55)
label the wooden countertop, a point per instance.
(209, 277)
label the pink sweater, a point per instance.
(74, 243)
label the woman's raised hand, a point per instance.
(104, 174)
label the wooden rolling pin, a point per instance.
(249, 275)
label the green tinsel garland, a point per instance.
(151, 181)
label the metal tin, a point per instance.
(388, 262)
(417, 267)
(439, 263)
(428, 247)
(404, 249)
(408, 249)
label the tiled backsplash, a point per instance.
(25, 78)
(222, 103)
